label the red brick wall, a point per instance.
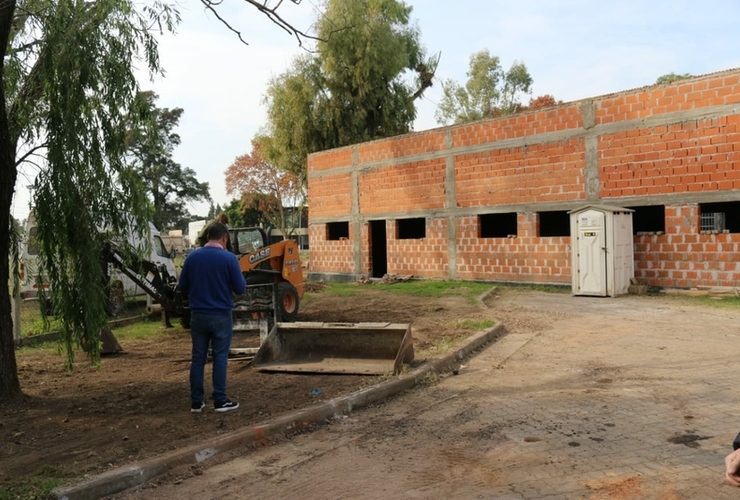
(525, 258)
(425, 257)
(685, 258)
(400, 147)
(712, 90)
(671, 143)
(330, 195)
(331, 256)
(412, 186)
(540, 173)
(558, 119)
(686, 157)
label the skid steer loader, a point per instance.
(277, 264)
(270, 304)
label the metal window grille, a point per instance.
(714, 221)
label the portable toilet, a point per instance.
(602, 250)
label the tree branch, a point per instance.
(426, 72)
(272, 15)
(31, 152)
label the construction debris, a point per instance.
(387, 279)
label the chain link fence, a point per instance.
(29, 326)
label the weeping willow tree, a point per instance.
(68, 88)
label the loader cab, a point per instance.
(247, 239)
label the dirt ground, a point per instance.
(137, 404)
(583, 398)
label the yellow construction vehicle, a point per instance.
(271, 301)
(277, 265)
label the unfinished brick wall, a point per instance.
(426, 257)
(334, 256)
(418, 186)
(684, 258)
(674, 145)
(538, 173)
(526, 258)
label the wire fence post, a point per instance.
(15, 306)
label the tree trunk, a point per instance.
(10, 388)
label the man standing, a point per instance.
(208, 277)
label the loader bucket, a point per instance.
(347, 348)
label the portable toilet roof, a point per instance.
(603, 208)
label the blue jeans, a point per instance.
(217, 330)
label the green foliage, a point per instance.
(475, 324)
(33, 486)
(672, 77)
(72, 88)
(266, 191)
(38, 326)
(489, 91)
(150, 144)
(359, 85)
(235, 213)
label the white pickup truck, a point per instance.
(29, 261)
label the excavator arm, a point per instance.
(152, 278)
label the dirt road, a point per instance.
(584, 398)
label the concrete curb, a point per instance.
(129, 476)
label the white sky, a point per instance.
(573, 49)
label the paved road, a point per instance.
(584, 398)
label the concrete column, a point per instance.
(450, 208)
(591, 170)
(355, 220)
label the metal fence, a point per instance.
(28, 325)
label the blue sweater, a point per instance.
(209, 276)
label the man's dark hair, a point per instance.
(217, 231)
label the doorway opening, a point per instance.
(378, 249)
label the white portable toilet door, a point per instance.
(592, 253)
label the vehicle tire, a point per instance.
(287, 302)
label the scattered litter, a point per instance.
(314, 392)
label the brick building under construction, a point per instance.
(489, 200)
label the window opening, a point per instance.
(722, 217)
(497, 225)
(337, 231)
(410, 229)
(554, 223)
(648, 219)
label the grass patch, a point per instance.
(440, 346)
(37, 326)
(475, 324)
(34, 486)
(419, 288)
(48, 345)
(715, 301)
(142, 330)
(342, 289)
(538, 287)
